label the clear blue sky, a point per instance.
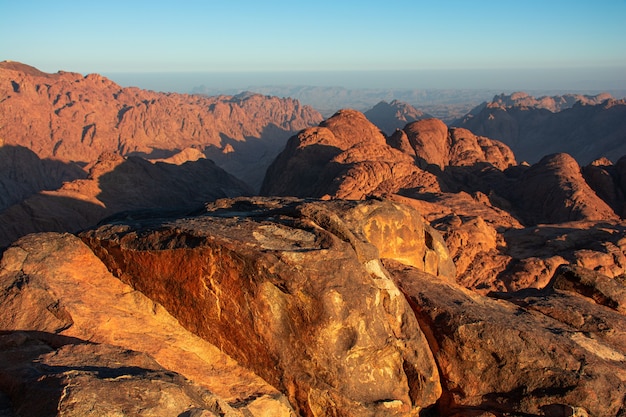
(255, 35)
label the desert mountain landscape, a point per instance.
(168, 254)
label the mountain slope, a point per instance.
(74, 117)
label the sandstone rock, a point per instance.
(52, 284)
(430, 141)
(497, 357)
(537, 251)
(346, 157)
(554, 191)
(295, 291)
(49, 375)
(435, 144)
(600, 288)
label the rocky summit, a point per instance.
(424, 272)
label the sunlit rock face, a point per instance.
(294, 290)
(557, 351)
(79, 341)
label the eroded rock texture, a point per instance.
(295, 291)
(77, 338)
(504, 358)
(346, 308)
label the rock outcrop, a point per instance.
(554, 190)
(499, 358)
(345, 308)
(295, 291)
(77, 118)
(471, 189)
(77, 339)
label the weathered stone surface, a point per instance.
(537, 251)
(589, 283)
(346, 157)
(554, 191)
(53, 283)
(471, 190)
(495, 356)
(49, 375)
(294, 290)
(435, 144)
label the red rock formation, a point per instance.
(468, 186)
(77, 118)
(254, 277)
(347, 156)
(432, 142)
(554, 191)
(76, 338)
(498, 358)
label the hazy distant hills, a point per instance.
(586, 127)
(445, 104)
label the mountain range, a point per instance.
(168, 254)
(586, 127)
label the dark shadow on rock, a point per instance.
(23, 173)
(31, 389)
(47, 213)
(310, 169)
(249, 159)
(139, 184)
(134, 184)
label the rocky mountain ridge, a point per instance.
(586, 127)
(80, 117)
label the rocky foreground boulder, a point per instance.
(346, 308)
(76, 341)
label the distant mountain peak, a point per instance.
(394, 115)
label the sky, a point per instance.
(582, 40)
